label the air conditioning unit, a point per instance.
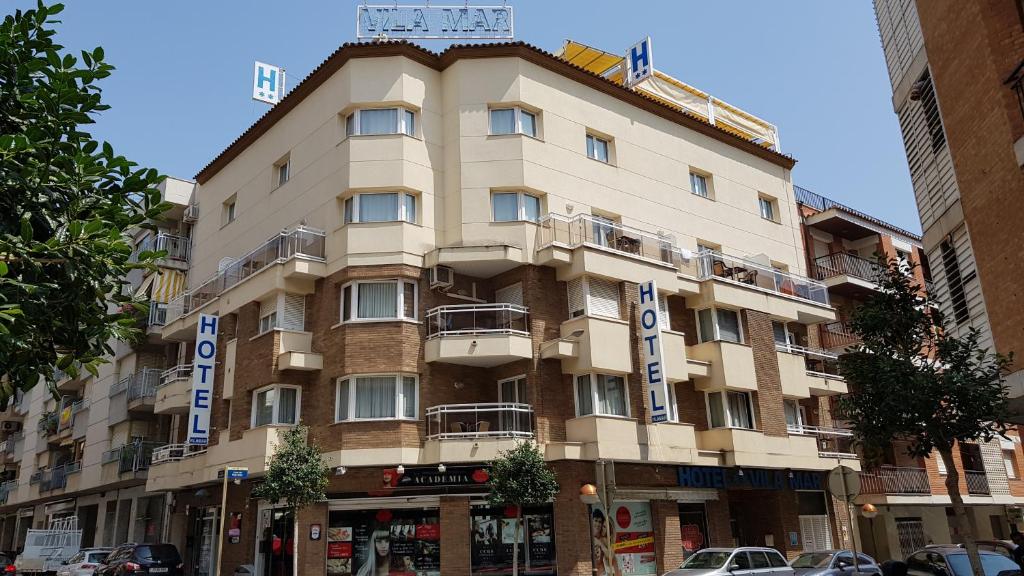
(441, 277)
(10, 426)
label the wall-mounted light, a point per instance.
(588, 494)
(400, 469)
(340, 471)
(441, 468)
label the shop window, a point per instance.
(493, 533)
(513, 120)
(515, 206)
(719, 324)
(377, 121)
(380, 207)
(378, 300)
(601, 394)
(377, 396)
(730, 410)
(384, 541)
(275, 405)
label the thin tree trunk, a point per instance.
(295, 542)
(515, 542)
(962, 519)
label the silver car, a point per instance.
(833, 563)
(85, 562)
(745, 561)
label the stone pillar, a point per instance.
(667, 536)
(455, 527)
(719, 529)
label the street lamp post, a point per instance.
(869, 511)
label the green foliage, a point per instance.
(67, 206)
(297, 474)
(520, 477)
(911, 380)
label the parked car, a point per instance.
(138, 559)
(85, 562)
(832, 563)
(745, 561)
(7, 563)
(1004, 547)
(951, 560)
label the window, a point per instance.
(663, 317)
(597, 148)
(730, 410)
(375, 121)
(286, 311)
(381, 207)
(515, 206)
(592, 296)
(768, 208)
(228, 211)
(268, 321)
(794, 414)
(758, 560)
(601, 394)
(718, 324)
(1010, 463)
(283, 172)
(955, 282)
(375, 396)
(275, 405)
(379, 300)
(513, 120)
(699, 184)
(930, 109)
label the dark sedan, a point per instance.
(951, 560)
(142, 560)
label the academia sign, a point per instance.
(435, 22)
(202, 380)
(650, 333)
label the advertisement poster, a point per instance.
(493, 536)
(632, 550)
(384, 542)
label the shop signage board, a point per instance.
(202, 380)
(430, 477)
(631, 530)
(650, 334)
(267, 83)
(427, 22)
(750, 478)
(639, 62)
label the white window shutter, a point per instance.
(663, 318)
(268, 306)
(603, 297)
(294, 317)
(940, 464)
(815, 533)
(575, 289)
(510, 294)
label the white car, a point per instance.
(85, 562)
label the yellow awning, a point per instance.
(169, 284)
(589, 58)
(144, 286)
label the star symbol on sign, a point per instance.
(261, 93)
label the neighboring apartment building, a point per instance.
(956, 77)
(843, 246)
(426, 258)
(87, 453)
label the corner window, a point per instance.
(379, 300)
(282, 172)
(593, 296)
(275, 405)
(699, 185)
(597, 148)
(228, 211)
(380, 207)
(730, 410)
(512, 120)
(515, 206)
(376, 121)
(768, 207)
(601, 394)
(377, 396)
(718, 324)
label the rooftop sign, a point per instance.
(435, 22)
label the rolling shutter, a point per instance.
(815, 533)
(575, 289)
(294, 312)
(510, 294)
(603, 298)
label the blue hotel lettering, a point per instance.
(756, 478)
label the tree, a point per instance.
(296, 475)
(67, 206)
(520, 477)
(912, 380)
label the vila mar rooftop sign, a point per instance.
(435, 22)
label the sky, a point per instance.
(181, 91)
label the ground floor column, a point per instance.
(455, 553)
(667, 534)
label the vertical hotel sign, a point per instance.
(650, 334)
(202, 380)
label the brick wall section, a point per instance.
(771, 417)
(667, 536)
(719, 529)
(312, 553)
(455, 526)
(572, 525)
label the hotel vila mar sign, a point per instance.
(434, 22)
(202, 380)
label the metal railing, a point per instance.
(35, 477)
(175, 452)
(838, 335)
(132, 457)
(472, 319)
(490, 420)
(6, 488)
(144, 383)
(832, 442)
(817, 362)
(48, 423)
(840, 263)
(57, 477)
(895, 480)
(120, 386)
(714, 264)
(177, 247)
(157, 314)
(977, 482)
(179, 372)
(821, 204)
(302, 242)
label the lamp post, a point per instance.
(602, 495)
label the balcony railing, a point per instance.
(977, 482)
(48, 423)
(473, 319)
(302, 242)
(821, 204)
(895, 480)
(818, 362)
(175, 452)
(6, 488)
(132, 457)
(832, 442)
(177, 247)
(717, 265)
(143, 383)
(469, 421)
(157, 314)
(838, 335)
(181, 371)
(841, 263)
(56, 477)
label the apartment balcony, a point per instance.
(596, 437)
(977, 483)
(295, 351)
(295, 258)
(583, 244)
(6, 488)
(67, 383)
(808, 372)
(128, 461)
(838, 336)
(847, 274)
(591, 344)
(60, 477)
(142, 390)
(730, 366)
(475, 432)
(173, 391)
(179, 466)
(884, 482)
(177, 248)
(746, 447)
(833, 443)
(157, 316)
(483, 335)
(755, 285)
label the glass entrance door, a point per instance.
(204, 525)
(276, 545)
(513, 390)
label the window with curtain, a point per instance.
(779, 333)
(699, 184)
(409, 129)
(379, 300)
(376, 396)
(597, 148)
(718, 324)
(380, 207)
(603, 394)
(512, 120)
(730, 409)
(276, 405)
(376, 121)
(515, 206)
(792, 409)
(716, 410)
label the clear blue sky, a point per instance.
(815, 69)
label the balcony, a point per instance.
(301, 251)
(896, 481)
(177, 248)
(475, 432)
(127, 461)
(175, 453)
(833, 443)
(808, 372)
(5, 490)
(847, 274)
(597, 437)
(157, 315)
(838, 335)
(48, 424)
(746, 447)
(730, 365)
(295, 351)
(483, 335)
(584, 244)
(179, 466)
(591, 344)
(173, 390)
(142, 389)
(977, 482)
(56, 478)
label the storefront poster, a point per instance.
(493, 537)
(632, 544)
(384, 542)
